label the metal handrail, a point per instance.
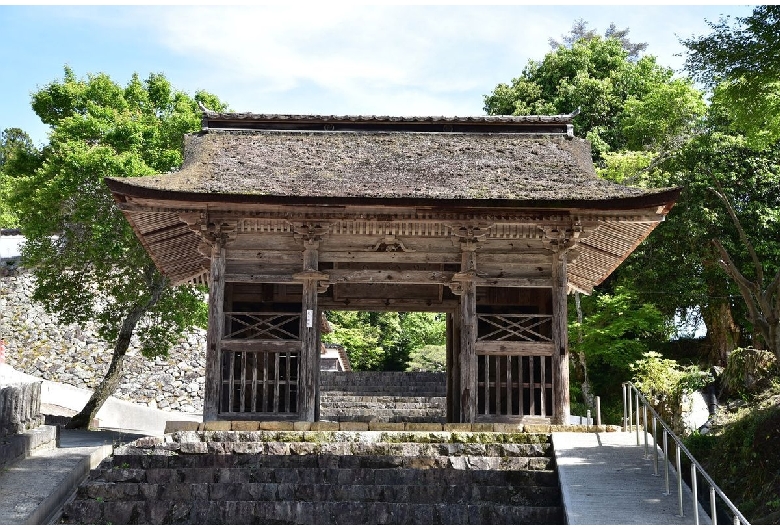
(628, 417)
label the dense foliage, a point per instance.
(740, 61)
(385, 341)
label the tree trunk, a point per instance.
(587, 395)
(722, 332)
(84, 419)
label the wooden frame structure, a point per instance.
(491, 220)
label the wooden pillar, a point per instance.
(468, 333)
(309, 363)
(453, 367)
(216, 327)
(560, 360)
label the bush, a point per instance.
(429, 358)
(748, 371)
(664, 383)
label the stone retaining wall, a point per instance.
(38, 345)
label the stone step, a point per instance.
(393, 400)
(401, 388)
(378, 416)
(501, 463)
(463, 493)
(328, 447)
(313, 475)
(201, 511)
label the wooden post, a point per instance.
(468, 333)
(453, 368)
(216, 327)
(560, 359)
(309, 364)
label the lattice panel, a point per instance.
(262, 326)
(517, 327)
(514, 386)
(259, 382)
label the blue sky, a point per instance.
(334, 59)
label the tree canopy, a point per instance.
(622, 104)
(740, 61)
(87, 262)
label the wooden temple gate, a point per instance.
(285, 217)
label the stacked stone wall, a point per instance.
(38, 345)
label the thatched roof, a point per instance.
(441, 166)
(368, 159)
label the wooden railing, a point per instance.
(259, 382)
(262, 326)
(260, 355)
(514, 366)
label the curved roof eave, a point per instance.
(663, 197)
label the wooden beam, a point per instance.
(261, 345)
(505, 347)
(388, 276)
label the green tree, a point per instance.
(18, 156)
(87, 262)
(384, 341)
(596, 76)
(615, 331)
(678, 267)
(580, 31)
(740, 61)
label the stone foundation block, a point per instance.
(384, 426)
(245, 425)
(216, 426)
(276, 426)
(353, 425)
(423, 426)
(174, 426)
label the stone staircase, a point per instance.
(387, 397)
(324, 477)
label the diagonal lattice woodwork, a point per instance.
(262, 326)
(515, 327)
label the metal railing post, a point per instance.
(666, 461)
(630, 410)
(679, 479)
(713, 508)
(695, 493)
(655, 447)
(637, 417)
(625, 410)
(644, 427)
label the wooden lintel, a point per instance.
(390, 304)
(385, 276)
(505, 347)
(389, 257)
(513, 282)
(260, 278)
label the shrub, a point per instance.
(748, 370)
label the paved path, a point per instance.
(605, 479)
(33, 489)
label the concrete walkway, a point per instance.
(605, 479)
(33, 489)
